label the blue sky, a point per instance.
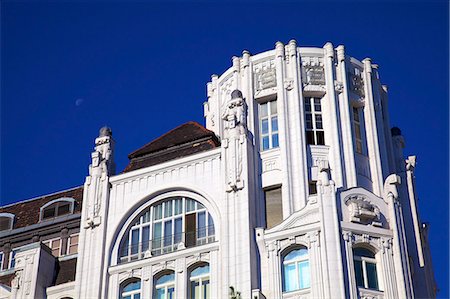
(68, 68)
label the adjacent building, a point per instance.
(296, 188)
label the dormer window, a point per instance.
(6, 221)
(56, 208)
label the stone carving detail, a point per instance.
(313, 71)
(227, 87)
(271, 164)
(362, 211)
(17, 280)
(235, 132)
(356, 82)
(338, 86)
(265, 75)
(289, 83)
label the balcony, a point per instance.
(167, 244)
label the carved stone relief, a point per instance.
(362, 211)
(356, 82)
(313, 71)
(264, 75)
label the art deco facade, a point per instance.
(296, 188)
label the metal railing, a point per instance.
(167, 244)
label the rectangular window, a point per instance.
(55, 246)
(357, 128)
(268, 125)
(73, 245)
(312, 187)
(274, 207)
(313, 122)
(1, 261)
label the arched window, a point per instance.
(166, 226)
(365, 268)
(131, 289)
(6, 221)
(165, 286)
(56, 208)
(296, 274)
(199, 282)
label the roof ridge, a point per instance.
(41, 196)
(196, 124)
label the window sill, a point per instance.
(363, 292)
(295, 294)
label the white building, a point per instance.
(297, 188)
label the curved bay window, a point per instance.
(165, 286)
(296, 275)
(131, 289)
(199, 282)
(168, 225)
(365, 268)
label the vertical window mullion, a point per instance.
(366, 282)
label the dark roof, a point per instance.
(6, 279)
(187, 139)
(65, 271)
(27, 212)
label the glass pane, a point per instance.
(290, 278)
(178, 234)
(195, 290)
(317, 105)
(363, 252)
(308, 119)
(165, 278)
(358, 146)
(275, 124)
(64, 209)
(137, 296)
(160, 293)
(146, 217)
(372, 275)
(178, 206)
(132, 286)
(263, 110)
(168, 233)
(205, 284)
(134, 241)
(264, 126)
(168, 208)
(201, 225)
(157, 235)
(190, 205)
(359, 274)
(320, 138)
(273, 107)
(319, 121)
(357, 131)
(49, 213)
(275, 142)
(265, 143)
(303, 272)
(171, 293)
(296, 255)
(126, 297)
(307, 104)
(210, 225)
(157, 211)
(310, 137)
(145, 237)
(199, 271)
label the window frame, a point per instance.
(50, 244)
(270, 116)
(132, 293)
(149, 217)
(59, 202)
(358, 125)
(314, 113)
(166, 286)
(69, 243)
(200, 278)
(364, 261)
(296, 262)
